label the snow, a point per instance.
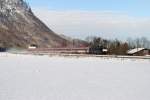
(27, 77)
(105, 50)
(132, 51)
(32, 47)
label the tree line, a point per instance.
(118, 47)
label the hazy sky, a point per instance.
(106, 18)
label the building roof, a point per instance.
(132, 51)
(105, 50)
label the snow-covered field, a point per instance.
(26, 77)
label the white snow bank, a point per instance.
(26, 77)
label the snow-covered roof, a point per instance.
(132, 51)
(32, 47)
(105, 50)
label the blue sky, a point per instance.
(107, 18)
(133, 7)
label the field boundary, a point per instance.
(79, 55)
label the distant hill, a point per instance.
(19, 27)
(76, 43)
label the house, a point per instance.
(138, 52)
(99, 50)
(33, 46)
(105, 51)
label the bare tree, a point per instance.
(144, 42)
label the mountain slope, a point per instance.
(19, 27)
